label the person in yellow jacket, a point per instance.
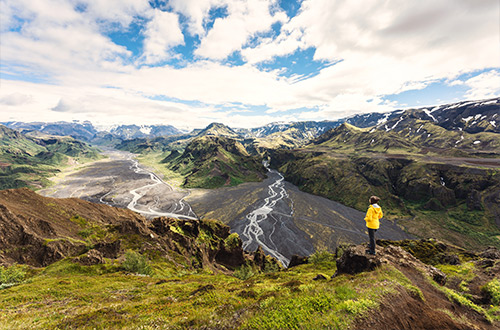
(373, 215)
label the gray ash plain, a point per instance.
(273, 213)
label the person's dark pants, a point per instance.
(371, 233)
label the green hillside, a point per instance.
(27, 161)
(110, 268)
(210, 162)
(413, 136)
(420, 172)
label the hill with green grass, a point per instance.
(411, 135)
(444, 183)
(27, 160)
(71, 264)
(215, 161)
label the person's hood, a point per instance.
(377, 209)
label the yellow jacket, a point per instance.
(373, 215)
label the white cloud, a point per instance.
(387, 47)
(196, 12)
(53, 42)
(162, 33)
(122, 12)
(483, 86)
(245, 19)
(106, 107)
(16, 99)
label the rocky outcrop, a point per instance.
(490, 253)
(38, 231)
(431, 251)
(92, 257)
(355, 259)
(296, 260)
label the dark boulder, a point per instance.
(450, 259)
(109, 249)
(355, 260)
(92, 257)
(319, 277)
(296, 260)
(490, 253)
(474, 201)
(434, 205)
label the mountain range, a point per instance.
(469, 116)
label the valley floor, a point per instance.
(285, 221)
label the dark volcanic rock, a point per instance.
(296, 260)
(319, 277)
(490, 253)
(450, 259)
(262, 261)
(436, 275)
(109, 250)
(474, 201)
(92, 257)
(485, 263)
(434, 205)
(355, 260)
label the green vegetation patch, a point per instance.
(492, 288)
(136, 263)
(12, 275)
(106, 296)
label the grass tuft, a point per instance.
(136, 263)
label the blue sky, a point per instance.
(243, 63)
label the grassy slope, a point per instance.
(349, 164)
(211, 162)
(27, 162)
(417, 137)
(70, 296)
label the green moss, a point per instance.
(232, 241)
(358, 307)
(12, 275)
(82, 222)
(464, 272)
(492, 289)
(462, 300)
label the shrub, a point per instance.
(492, 288)
(244, 272)
(136, 263)
(11, 275)
(321, 256)
(232, 241)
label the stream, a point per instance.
(148, 210)
(271, 225)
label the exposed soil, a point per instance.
(38, 231)
(405, 310)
